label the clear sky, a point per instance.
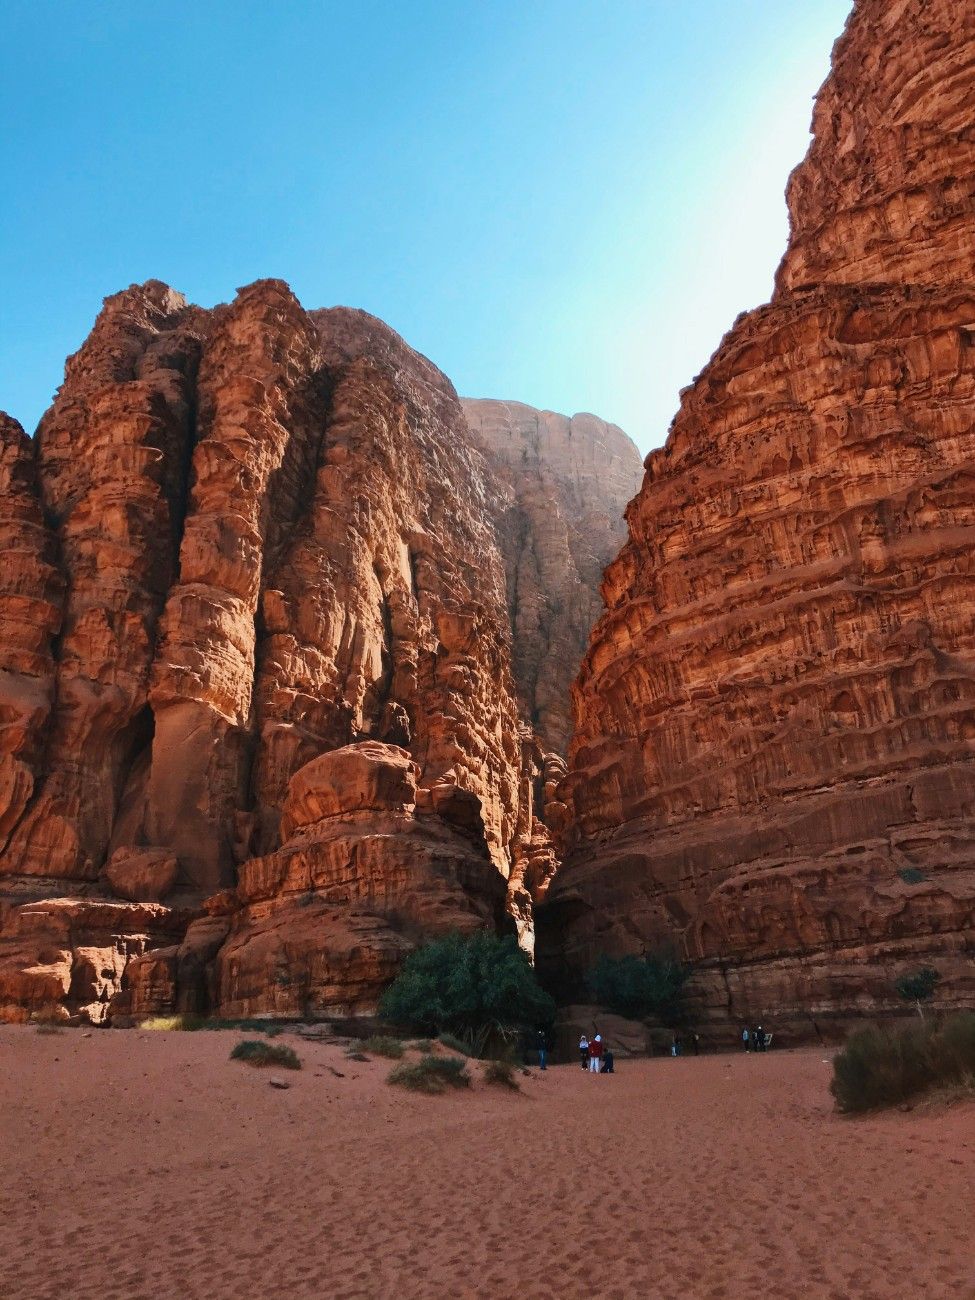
(564, 202)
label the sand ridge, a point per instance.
(140, 1164)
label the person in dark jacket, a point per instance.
(584, 1051)
(541, 1043)
(608, 1061)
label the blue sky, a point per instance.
(558, 201)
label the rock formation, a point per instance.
(260, 731)
(772, 766)
(567, 482)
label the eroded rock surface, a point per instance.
(773, 761)
(567, 482)
(256, 665)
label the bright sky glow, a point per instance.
(562, 202)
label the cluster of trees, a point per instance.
(482, 990)
(639, 987)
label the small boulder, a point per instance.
(143, 875)
(365, 776)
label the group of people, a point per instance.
(595, 1055)
(677, 1044)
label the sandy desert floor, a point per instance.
(140, 1164)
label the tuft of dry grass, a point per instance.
(253, 1052)
(431, 1074)
(501, 1073)
(384, 1045)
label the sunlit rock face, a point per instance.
(772, 767)
(255, 649)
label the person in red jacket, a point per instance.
(595, 1053)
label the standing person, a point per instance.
(542, 1044)
(697, 1043)
(760, 1039)
(584, 1051)
(675, 1045)
(595, 1054)
(746, 1039)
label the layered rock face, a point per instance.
(773, 762)
(567, 481)
(259, 730)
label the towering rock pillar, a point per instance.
(773, 766)
(263, 724)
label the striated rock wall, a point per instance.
(256, 665)
(885, 193)
(567, 481)
(775, 721)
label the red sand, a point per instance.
(143, 1164)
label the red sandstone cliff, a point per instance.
(567, 481)
(775, 720)
(260, 730)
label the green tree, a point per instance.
(639, 986)
(479, 987)
(918, 986)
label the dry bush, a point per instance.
(884, 1067)
(431, 1074)
(253, 1052)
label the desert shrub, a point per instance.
(639, 986)
(253, 1052)
(54, 1017)
(911, 876)
(48, 1027)
(500, 1072)
(383, 1045)
(455, 1044)
(188, 1022)
(171, 1024)
(918, 986)
(477, 988)
(431, 1074)
(953, 1048)
(884, 1067)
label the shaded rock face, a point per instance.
(775, 721)
(567, 481)
(254, 649)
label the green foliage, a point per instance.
(477, 988)
(500, 1072)
(189, 1022)
(383, 1045)
(455, 1044)
(431, 1074)
(883, 1067)
(254, 1052)
(911, 876)
(918, 986)
(639, 986)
